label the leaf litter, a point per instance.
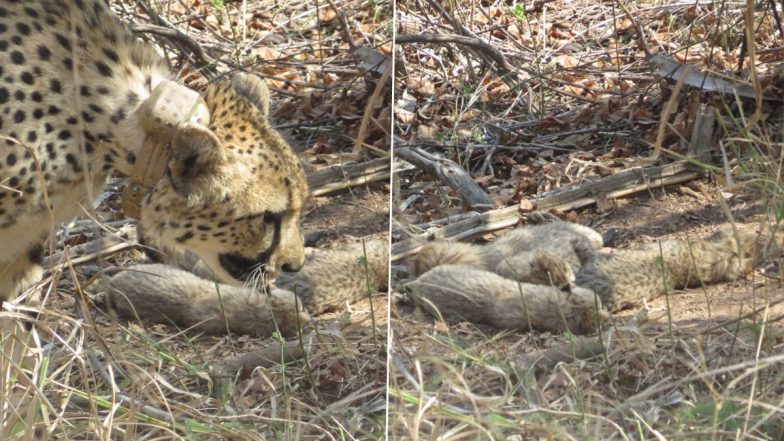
(100, 378)
(584, 102)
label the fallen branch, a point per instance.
(488, 221)
(451, 174)
(703, 134)
(616, 186)
(487, 52)
(398, 230)
(666, 67)
(182, 41)
(620, 184)
(374, 100)
(343, 176)
(123, 239)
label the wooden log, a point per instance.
(702, 137)
(616, 186)
(582, 348)
(224, 374)
(451, 174)
(342, 176)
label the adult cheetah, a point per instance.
(74, 88)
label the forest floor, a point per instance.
(100, 378)
(577, 100)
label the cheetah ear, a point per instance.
(253, 89)
(195, 155)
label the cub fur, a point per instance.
(479, 296)
(625, 278)
(547, 254)
(328, 280)
(163, 294)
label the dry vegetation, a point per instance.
(532, 97)
(97, 378)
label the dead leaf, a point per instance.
(423, 87)
(426, 132)
(267, 53)
(555, 386)
(566, 60)
(326, 15)
(623, 25)
(287, 108)
(604, 204)
(585, 114)
(546, 154)
(550, 122)
(321, 145)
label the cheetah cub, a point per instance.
(478, 290)
(328, 280)
(331, 279)
(160, 293)
(469, 293)
(546, 254)
(625, 278)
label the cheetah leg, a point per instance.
(15, 342)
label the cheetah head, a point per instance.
(233, 191)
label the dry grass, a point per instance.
(111, 381)
(651, 382)
(92, 377)
(584, 105)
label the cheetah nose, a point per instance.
(291, 267)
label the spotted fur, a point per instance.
(329, 280)
(509, 283)
(72, 79)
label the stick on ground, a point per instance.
(451, 174)
(618, 185)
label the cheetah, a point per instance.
(546, 254)
(74, 83)
(626, 278)
(620, 279)
(464, 292)
(328, 280)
